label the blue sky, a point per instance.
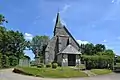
(96, 21)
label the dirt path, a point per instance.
(7, 74)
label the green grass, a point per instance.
(52, 73)
(101, 71)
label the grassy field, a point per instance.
(49, 72)
(101, 71)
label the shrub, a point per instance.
(40, 65)
(5, 61)
(98, 61)
(0, 60)
(54, 65)
(48, 65)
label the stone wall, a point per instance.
(78, 61)
(49, 52)
(62, 43)
(24, 62)
(64, 60)
(59, 59)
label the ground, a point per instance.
(7, 74)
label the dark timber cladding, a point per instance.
(62, 46)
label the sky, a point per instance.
(89, 21)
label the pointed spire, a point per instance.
(58, 21)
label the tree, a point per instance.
(12, 46)
(2, 19)
(0, 60)
(107, 52)
(87, 49)
(117, 59)
(26, 57)
(99, 48)
(90, 49)
(38, 45)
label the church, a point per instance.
(62, 48)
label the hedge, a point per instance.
(98, 61)
(0, 60)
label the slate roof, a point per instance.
(70, 50)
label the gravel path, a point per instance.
(7, 74)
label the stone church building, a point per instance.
(62, 48)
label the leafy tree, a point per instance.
(38, 45)
(27, 57)
(88, 49)
(12, 46)
(2, 19)
(0, 60)
(99, 47)
(117, 59)
(108, 52)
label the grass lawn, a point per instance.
(65, 72)
(101, 71)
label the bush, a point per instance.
(0, 60)
(98, 61)
(40, 65)
(48, 65)
(54, 65)
(5, 61)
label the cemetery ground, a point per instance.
(7, 74)
(60, 72)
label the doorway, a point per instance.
(71, 59)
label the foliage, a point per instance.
(41, 65)
(101, 71)
(5, 61)
(48, 65)
(90, 49)
(98, 61)
(54, 65)
(13, 60)
(2, 19)
(117, 59)
(26, 57)
(38, 46)
(12, 44)
(49, 72)
(117, 67)
(0, 60)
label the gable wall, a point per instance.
(62, 43)
(49, 52)
(63, 31)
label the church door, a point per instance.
(71, 59)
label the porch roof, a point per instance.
(70, 50)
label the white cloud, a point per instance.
(82, 42)
(104, 41)
(65, 8)
(28, 36)
(113, 1)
